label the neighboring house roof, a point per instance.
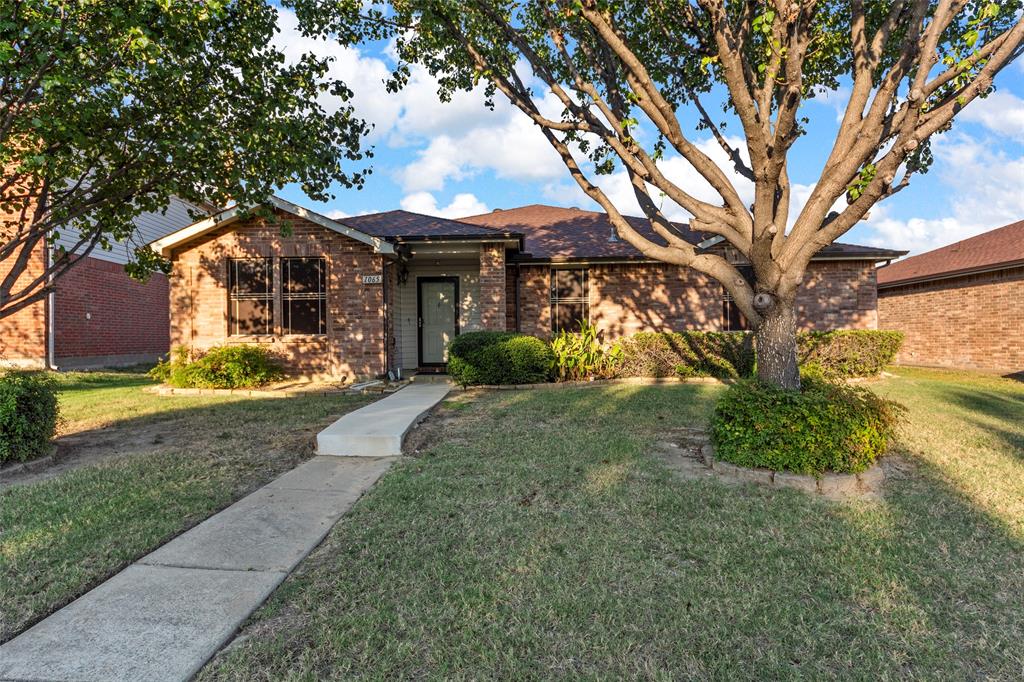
(229, 215)
(404, 225)
(557, 233)
(993, 250)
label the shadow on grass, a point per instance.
(120, 490)
(543, 540)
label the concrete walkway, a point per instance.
(164, 616)
(377, 430)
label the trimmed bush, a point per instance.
(824, 427)
(581, 355)
(838, 354)
(849, 353)
(499, 358)
(28, 415)
(725, 355)
(234, 366)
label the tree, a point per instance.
(107, 110)
(622, 69)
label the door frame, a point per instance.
(419, 315)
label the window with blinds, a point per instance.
(304, 295)
(250, 296)
(570, 299)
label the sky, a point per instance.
(459, 158)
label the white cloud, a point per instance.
(463, 204)
(836, 99)
(620, 191)
(984, 192)
(455, 139)
(364, 75)
(1002, 112)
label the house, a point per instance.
(355, 297)
(961, 305)
(98, 316)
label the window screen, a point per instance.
(570, 293)
(250, 296)
(304, 295)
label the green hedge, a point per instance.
(824, 427)
(234, 366)
(28, 415)
(499, 358)
(730, 355)
(726, 355)
(849, 353)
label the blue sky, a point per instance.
(459, 158)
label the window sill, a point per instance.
(273, 338)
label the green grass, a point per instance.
(538, 538)
(154, 466)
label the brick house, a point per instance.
(961, 305)
(98, 316)
(358, 296)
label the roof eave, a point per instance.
(952, 274)
(166, 244)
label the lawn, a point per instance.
(536, 537)
(139, 469)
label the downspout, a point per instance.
(51, 315)
(516, 290)
(387, 341)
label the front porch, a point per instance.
(436, 290)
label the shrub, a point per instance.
(824, 427)
(234, 366)
(849, 353)
(730, 355)
(580, 355)
(499, 358)
(725, 355)
(28, 415)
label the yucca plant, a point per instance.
(581, 354)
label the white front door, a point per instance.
(438, 318)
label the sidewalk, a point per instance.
(164, 616)
(377, 429)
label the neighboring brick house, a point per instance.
(97, 316)
(356, 297)
(961, 305)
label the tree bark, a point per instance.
(775, 340)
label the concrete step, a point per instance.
(378, 429)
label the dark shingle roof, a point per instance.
(999, 247)
(554, 232)
(408, 225)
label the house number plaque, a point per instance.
(372, 279)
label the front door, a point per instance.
(438, 318)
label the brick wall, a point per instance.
(628, 298)
(534, 298)
(492, 286)
(838, 295)
(23, 334)
(104, 317)
(972, 322)
(354, 343)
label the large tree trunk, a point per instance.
(775, 339)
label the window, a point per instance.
(304, 295)
(570, 294)
(250, 296)
(732, 318)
